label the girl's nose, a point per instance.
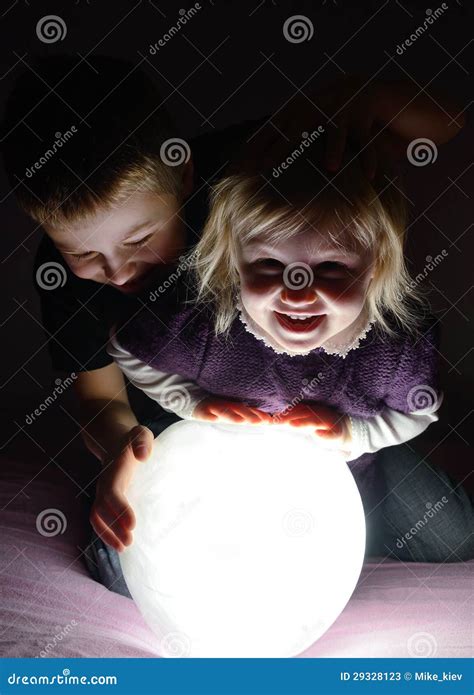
(298, 297)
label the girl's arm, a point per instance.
(173, 392)
(179, 395)
(387, 429)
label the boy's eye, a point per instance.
(81, 256)
(141, 241)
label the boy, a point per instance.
(96, 161)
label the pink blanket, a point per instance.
(50, 607)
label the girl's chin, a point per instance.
(299, 348)
(297, 345)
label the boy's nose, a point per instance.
(121, 274)
(298, 297)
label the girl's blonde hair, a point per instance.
(369, 215)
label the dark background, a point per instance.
(231, 62)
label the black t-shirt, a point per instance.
(77, 315)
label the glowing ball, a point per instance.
(249, 540)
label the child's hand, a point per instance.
(111, 516)
(212, 409)
(332, 429)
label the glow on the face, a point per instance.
(249, 540)
(303, 274)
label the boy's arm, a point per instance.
(105, 413)
(112, 433)
(411, 113)
(381, 117)
(384, 117)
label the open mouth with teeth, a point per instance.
(299, 323)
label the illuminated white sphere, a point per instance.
(249, 540)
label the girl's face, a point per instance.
(303, 291)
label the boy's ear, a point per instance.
(188, 178)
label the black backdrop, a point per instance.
(229, 62)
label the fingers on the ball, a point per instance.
(261, 415)
(250, 415)
(141, 440)
(210, 416)
(327, 434)
(225, 413)
(105, 533)
(119, 517)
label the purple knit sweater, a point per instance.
(380, 373)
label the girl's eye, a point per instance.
(269, 263)
(331, 266)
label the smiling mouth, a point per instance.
(299, 323)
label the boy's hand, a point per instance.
(332, 429)
(111, 516)
(344, 108)
(212, 409)
(380, 118)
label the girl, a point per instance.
(305, 314)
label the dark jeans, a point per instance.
(422, 515)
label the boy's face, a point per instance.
(303, 291)
(122, 246)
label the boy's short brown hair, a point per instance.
(79, 134)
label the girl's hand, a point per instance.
(332, 429)
(212, 409)
(111, 516)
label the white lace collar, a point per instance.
(361, 328)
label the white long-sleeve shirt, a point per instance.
(179, 395)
